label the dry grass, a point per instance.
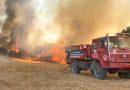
(27, 76)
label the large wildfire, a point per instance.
(40, 29)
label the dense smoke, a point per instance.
(20, 16)
(41, 24)
(83, 20)
(28, 26)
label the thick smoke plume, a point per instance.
(83, 20)
(38, 25)
(20, 16)
(28, 26)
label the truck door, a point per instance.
(103, 50)
(94, 49)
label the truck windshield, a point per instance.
(122, 43)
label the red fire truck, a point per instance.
(110, 53)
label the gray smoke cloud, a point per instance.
(20, 16)
(28, 24)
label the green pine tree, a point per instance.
(127, 30)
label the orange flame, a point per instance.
(28, 60)
(58, 54)
(17, 44)
(15, 47)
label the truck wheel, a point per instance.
(98, 71)
(75, 67)
(124, 75)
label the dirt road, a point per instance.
(49, 76)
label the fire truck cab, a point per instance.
(110, 53)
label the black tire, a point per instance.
(75, 67)
(3, 51)
(124, 75)
(92, 72)
(97, 71)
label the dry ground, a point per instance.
(49, 76)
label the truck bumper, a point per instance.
(120, 65)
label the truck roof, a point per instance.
(123, 35)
